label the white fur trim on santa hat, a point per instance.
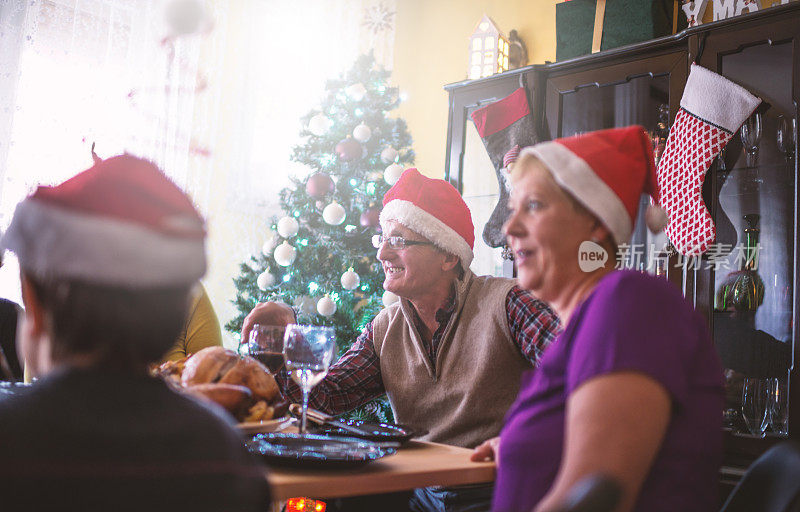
(416, 219)
(717, 100)
(53, 242)
(577, 177)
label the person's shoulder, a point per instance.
(26, 410)
(387, 313)
(208, 413)
(491, 284)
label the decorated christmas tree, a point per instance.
(321, 258)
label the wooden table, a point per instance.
(417, 464)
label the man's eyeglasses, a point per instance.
(395, 242)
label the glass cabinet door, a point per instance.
(481, 191)
(755, 182)
(642, 100)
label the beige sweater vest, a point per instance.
(463, 400)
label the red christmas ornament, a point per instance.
(370, 218)
(349, 149)
(319, 185)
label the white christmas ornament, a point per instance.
(334, 214)
(389, 298)
(265, 280)
(389, 155)
(325, 306)
(319, 125)
(266, 249)
(184, 16)
(392, 173)
(362, 133)
(284, 254)
(287, 227)
(356, 92)
(350, 280)
(305, 304)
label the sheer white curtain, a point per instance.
(84, 71)
(218, 109)
(279, 55)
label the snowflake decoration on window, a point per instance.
(378, 18)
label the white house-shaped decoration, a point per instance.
(488, 50)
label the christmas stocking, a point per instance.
(504, 126)
(712, 110)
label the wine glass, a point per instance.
(266, 345)
(785, 136)
(778, 405)
(754, 405)
(308, 351)
(751, 137)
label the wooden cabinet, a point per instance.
(751, 192)
(467, 164)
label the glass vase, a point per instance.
(743, 289)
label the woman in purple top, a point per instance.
(632, 388)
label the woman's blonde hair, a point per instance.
(527, 162)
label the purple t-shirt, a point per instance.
(631, 321)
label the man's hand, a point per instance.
(267, 313)
(488, 450)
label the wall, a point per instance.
(431, 51)
(431, 46)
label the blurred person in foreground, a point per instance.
(107, 260)
(632, 388)
(449, 354)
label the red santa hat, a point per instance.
(119, 223)
(607, 171)
(434, 209)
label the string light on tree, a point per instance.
(287, 227)
(334, 214)
(392, 173)
(350, 280)
(284, 254)
(326, 306)
(362, 133)
(389, 155)
(265, 280)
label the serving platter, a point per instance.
(315, 451)
(266, 426)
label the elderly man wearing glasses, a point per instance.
(449, 354)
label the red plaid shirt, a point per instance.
(355, 379)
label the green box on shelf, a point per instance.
(625, 22)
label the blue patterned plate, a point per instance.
(315, 451)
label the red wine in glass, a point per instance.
(272, 360)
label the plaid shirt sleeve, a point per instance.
(353, 380)
(532, 323)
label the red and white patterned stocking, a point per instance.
(712, 110)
